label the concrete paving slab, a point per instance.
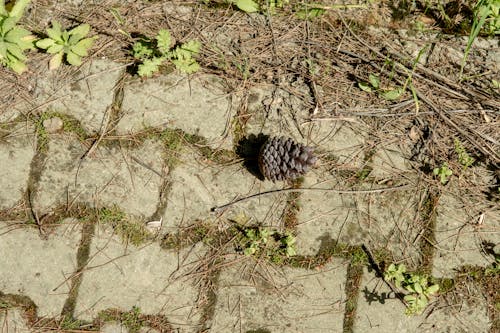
(280, 300)
(197, 187)
(148, 277)
(113, 327)
(380, 220)
(391, 161)
(460, 317)
(195, 104)
(16, 153)
(12, 321)
(87, 95)
(38, 268)
(465, 224)
(379, 310)
(126, 177)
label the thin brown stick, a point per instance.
(287, 190)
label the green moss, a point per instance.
(130, 231)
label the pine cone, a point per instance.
(281, 159)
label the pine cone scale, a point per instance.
(281, 159)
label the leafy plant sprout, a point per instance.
(443, 172)
(155, 52)
(71, 43)
(269, 242)
(14, 40)
(417, 287)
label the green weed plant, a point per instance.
(14, 40)
(154, 52)
(72, 45)
(417, 287)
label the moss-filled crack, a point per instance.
(428, 240)
(82, 258)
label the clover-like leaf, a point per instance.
(82, 47)
(7, 24)
(56, 61)
(73, 59)
(55, 48)
(55, 32)
(392, 94)
(365, 86)
(16, 51)
(432, 289)
(17, 66)
(374, 81)
(45, 43)
(82, 30)
(248, 6)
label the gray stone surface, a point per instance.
(16, 153)
(380, 311)
(275, 300)
(12, 321)
(148, 277)
(38, 268)
(197, 187)
(387, 220)
(462, 231)
(390, 161)
(128, 178)
(85, 96)
(197, 105)
(113, 327)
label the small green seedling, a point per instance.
(155, 52)
(14, 40)
(373, 85)
(71, 43)
(443, 172)
(417, 286)
(463, 157)
(270, 242)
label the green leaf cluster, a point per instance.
(417, 287)
(73, 44)
(373, 85)
(155, 52)
(443, 173)
(463, 157)
(270, 242)
(14, 40)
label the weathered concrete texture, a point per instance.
(196, 105)
(463, 233)
(127, 178)
(16, 153)
(282, 113)
(86, 96)
(390, 161)
(148, 277)
(273, 300)
(387, 220)
(113, 327)
(12, 321)
(38, 268)
(458, 315)
(196, 188)
(380, 311)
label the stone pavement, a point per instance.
(78, 250)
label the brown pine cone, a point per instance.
(282, 159)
